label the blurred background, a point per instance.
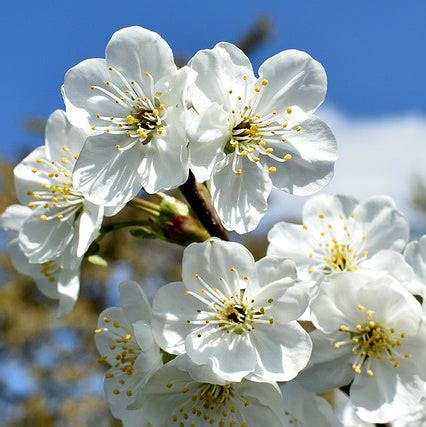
(375, 58)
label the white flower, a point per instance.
(234, 315)
(340, 234)
(134, 101)
(415, 255)
(185, 395)
(50, 277)
(63, 223)
(369, 331)
(253, 134)
(125, 342)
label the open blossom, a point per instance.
(134, 103)
(50, 277)
(340, 234)
(233, 314)
(183, 394)
(370, 331)
(125, 342)
(254, 133)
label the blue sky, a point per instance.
(373, 50)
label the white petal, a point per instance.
(386, 395)
(314, 152)
(289, 240)
(328, 368)
(165, 163)
(135, 50)
(134, 302)
(14, 216)
(415, 255)
(22, 265)
(208, 136)
(68, 288)
(304, 408)
(230, 356)
(212, 261)
(59, 134)
(240, 200)
(105, 175)
(321, 210)
(392, 263)
(282, 350)
(171, 308)
(294, 78)
(25, 179)
(88, 224)
(43, 241)
(219, 70)
(385, 227)
(83, 103)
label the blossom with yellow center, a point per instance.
(253, 133)
(133, 106)
(233, 314)
(370, 333)
(340, 234)
(196, 396)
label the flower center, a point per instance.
(233, 314)
(213, 403)
(48, 269)
(57, 190)
(251, 132)
(145, 114)
(333, 255)
(372, 339)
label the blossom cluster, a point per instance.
(337, 300)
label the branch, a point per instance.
(201, 205)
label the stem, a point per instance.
(145, 205)
(202, 207)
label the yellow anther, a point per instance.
(264, 82)
(288, 157)
(289, 110)
(238, 172)
(370, 373)
(34, 170)
(43, 217)
(272, 169)
(269, 150)
(256, 89)
(298, 128)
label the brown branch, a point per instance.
(201, 205)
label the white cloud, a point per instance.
(377, 155)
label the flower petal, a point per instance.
(230, 356)
(208, 134)
(134, 302)
(83, 103)
(13, 218)
(27, 178)
(219, 70)
(135, 50)
(62, 138)
(43, 241)
(294, 78)
(314, 151)
(212, 261)
(68, 289)
(165, 163)
(240, 200)
(385, 227)
(171, 308)
(105, 175)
